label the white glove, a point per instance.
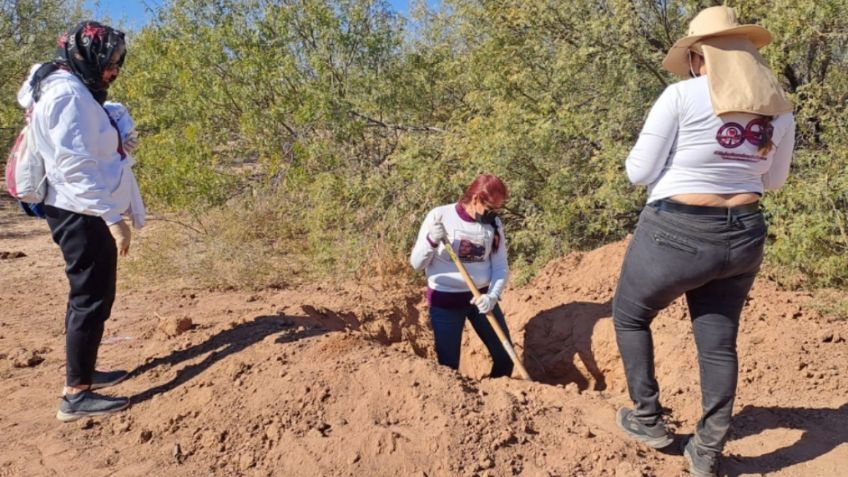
(437, 232)
(485, 303)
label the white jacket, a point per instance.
(71, 131)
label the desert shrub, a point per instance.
(307, 139)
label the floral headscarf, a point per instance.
(86, 51)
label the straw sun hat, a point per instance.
(710, 23)
(739, 78)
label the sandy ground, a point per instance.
(342, 382)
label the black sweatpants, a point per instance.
(91, 261)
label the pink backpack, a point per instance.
(26, 179)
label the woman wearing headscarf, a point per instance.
(709, 148)
(84, 164)
(471, 226)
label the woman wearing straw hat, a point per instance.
(709, 148)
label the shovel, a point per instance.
(492, 320)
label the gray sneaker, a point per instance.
(104, 379)
(702, 463)
(87, 403)
(656, 436)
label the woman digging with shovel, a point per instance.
(462, 249)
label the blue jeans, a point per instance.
(448, 324)
(713, 261)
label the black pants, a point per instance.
(713, 260)
(91, 261)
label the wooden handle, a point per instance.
(490, 316)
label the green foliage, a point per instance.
(28, 33)
(309, 137)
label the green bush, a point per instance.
(308, 139)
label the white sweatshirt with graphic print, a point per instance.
(472, 242)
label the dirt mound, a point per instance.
(337, 382)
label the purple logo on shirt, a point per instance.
(732, 135)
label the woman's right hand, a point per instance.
(437, 232)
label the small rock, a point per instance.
(121, 426)
(486, 463)
(273, 432)
(26, 359)
(504, 439)
(87, 423)
(208, 439)
(175, 326)
(247, 460)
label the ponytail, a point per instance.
(766, 131)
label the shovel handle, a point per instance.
(507, 346)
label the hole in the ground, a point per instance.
(558, 345)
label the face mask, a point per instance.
(692, 73)
(487, 217)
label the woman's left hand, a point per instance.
(485, 303)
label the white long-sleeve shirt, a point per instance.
(684, 148)
(71, 131)
(472, 242)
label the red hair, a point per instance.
(489, 188)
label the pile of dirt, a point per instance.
(338, 382)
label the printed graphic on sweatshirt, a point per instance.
(470, 246)
(732, 135)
